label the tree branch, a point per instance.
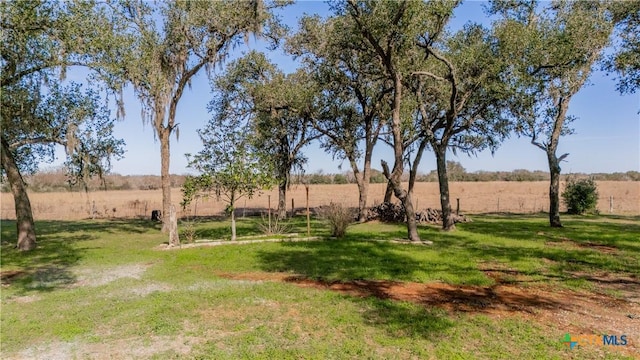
(431, 75)
(36, 140)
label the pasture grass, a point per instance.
(101, 287)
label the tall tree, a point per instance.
(462, 97)
(33, 124)
(40, 39)
(388, 31)
(277, 107)
(162, 62)
(555, 49)
(352, 97)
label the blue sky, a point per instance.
(606, 139)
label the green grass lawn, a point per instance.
(93, 288)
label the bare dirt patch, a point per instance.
(98, 277)
(7, 276)
(571, 244)
(564, 310)
(119, 349)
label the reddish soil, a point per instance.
(7, 276)
(565, 310)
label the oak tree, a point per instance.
(40, 40)
(172, 43)
(388, 32)
(462, 97)
(351, 95)
(276, 106)
(554, 49)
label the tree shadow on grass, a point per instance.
(110, 226)
(59, 247)
(341, 264)
(338, 260)
(575, 252)
(404, 319)
(45, 268)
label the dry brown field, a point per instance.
(475, 197)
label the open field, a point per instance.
(475, 197)
(502, 287)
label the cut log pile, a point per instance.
(389, 212)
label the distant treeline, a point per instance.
(56, 180)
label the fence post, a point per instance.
(269, 200)
(457, 206)
(611, 204)
(308, 216)
(293, 208)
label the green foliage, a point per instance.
(188, 231)
(40, 39)
(34, 123)
(580, 196)
(377, 177)
(625, 61)
(231, 167)
(340, 179)
(275, 107)
(553, 49)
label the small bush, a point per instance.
(188, 232)
(580, 196)
(339, 218)
(340, 179)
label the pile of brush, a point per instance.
(394, 213)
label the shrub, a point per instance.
(339, 218)
(188, 232)
(580, 196)
(340, 179)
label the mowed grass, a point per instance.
(96, 289)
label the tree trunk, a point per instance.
(233, 224)
(362, 180)
(174, 239)
(24, 217)
(164, 135)
(406, 199)
(445, 204)
(282, 199)
(554, 190)
(554, 162)
(363, 189)
(412, 224)
(388, 192)
(395, 176)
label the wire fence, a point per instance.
(469, 197)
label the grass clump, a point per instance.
(273, 225)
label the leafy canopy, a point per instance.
(230, 166)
